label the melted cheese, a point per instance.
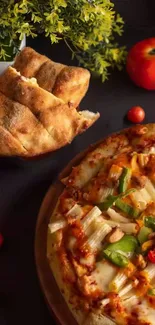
(103, 275)
(145, 312)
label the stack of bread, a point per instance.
(38, 105)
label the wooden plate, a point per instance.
(52, 294)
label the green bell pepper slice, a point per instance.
(151, 292)
(111, 199)
(150, 222)
(124, 179)
(127, 244)
(128, 209)
(143, 234)
(116, 258)
(119, 251)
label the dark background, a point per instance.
(23, 185)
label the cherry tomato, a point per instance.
(151, 256)
(1, 239)
(136, 114)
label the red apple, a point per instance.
(141, 63)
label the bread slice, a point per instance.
(24, 127)
(61, 121)
(66, 82)
(47, 74)
(9, 145)
(28, 62)
(71, 85)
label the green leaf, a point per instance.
(88, 27)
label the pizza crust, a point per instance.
(98, 319)
(55, 268)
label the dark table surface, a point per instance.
(23, 185)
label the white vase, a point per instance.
(5, 64)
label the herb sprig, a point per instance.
(88, 28)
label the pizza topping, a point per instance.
(148, 273)
(98, 280)
(150, 222)
(130, 301)
(144, 234)
(80, 270)
(116, 258)
(119, 251)
(67, 270)
(131, 284)
(151, 292)
(140, 199)
(115, 307)
(111, 200)
(129, 228)
(115, 172)
(88, 261)
(150, 189)
(121, 278)
(93, 214)
(150, 210)
(134, 164)
(127, 209)
(151, 235)
(66, 203)
(95, 240)
(115, 235)
(151, 256)
(143, 159)
(147, 245)
(140, 262)
(115, 216)
(57, 225)
(89, 287)
(124, 180)
(118, 282)
(75, 212)
(139, 180)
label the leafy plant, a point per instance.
(88, 28)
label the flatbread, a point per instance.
(24, 126)
(28, 62)
(10, 146)
(60, 120)
(68, 83)
(71, 85)
(98, 288)
(47, 74)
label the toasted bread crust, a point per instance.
(68, 83)
(40, 120)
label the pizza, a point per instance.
(101, 235)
